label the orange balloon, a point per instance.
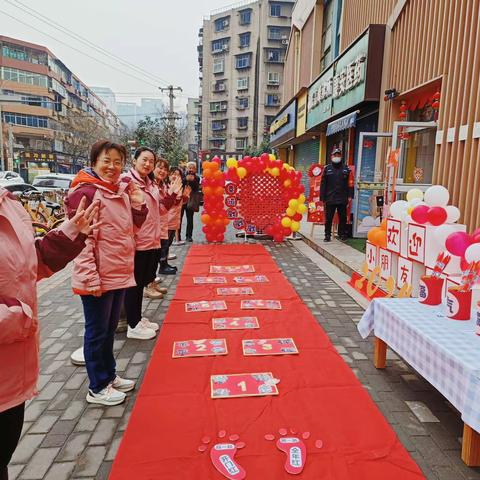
(207, 172)
(218, 222)
(205, 165)
(217, 174)
(219, 191)
(383, 225)
(207, 191)
(206, 219)
(214, 166)
(381, 238)
(372, 234)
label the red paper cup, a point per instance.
(459, 304)
(431, 289)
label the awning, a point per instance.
(348, 121)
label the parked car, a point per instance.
(8, 176)
(17, 188)
(48, 182)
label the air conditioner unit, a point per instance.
(223, 107)
(224, 48)
(285, 42)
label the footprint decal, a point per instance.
(222, 454)
(294, 448)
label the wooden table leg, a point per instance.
(470, 446)
(380, 354)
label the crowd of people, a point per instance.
(119, 232)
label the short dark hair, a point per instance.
(162, 161)
(104, 146)
(140, 150)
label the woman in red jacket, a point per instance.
(25, 261)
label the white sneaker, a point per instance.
(122, 384)
(180, 242)
(140, 332)
(108, 396)
(171, 256)
(158, 280)
(152, 293)
(148, 324)
(77, 357)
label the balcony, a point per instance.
(219, 88)
(219, 127)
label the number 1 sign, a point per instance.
(243, 385)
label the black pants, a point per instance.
(11, 423)
(189, 213)
(146, 262)
(342, 219)
(171, 237)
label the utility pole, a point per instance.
(171, 115)
(2, 155)
(10, 146)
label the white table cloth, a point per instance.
(445, 352)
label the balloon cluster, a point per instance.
(460, 244)
(430, 208)
(378, 235)
(214, 216)
(290, 184)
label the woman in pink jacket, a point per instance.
(175, 213)
(104, 269)
(24, 262)
(147, 241)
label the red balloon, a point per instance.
(297, 217)
(286, 231)
(420, 214)
(278, 238)
(437, 216)
(265, 157)
(458, 242)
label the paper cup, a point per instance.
(431, 289)
(459, 304)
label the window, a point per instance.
(273, 78)
(269, 120)
(240, 144)
(218, 65)
(243, 61)
(218, 125)
(242, 83)
(275, 55)
(220, 45)
(274, 33)
(26, 120)
(244, 39)
(275, 10)
(272, 100)
(245, 16)
(33, 100)
(21, 76)
(218, 144)
(24, 54)
(242, 123)
(220, 86)
(221, 24)
(242, 103)
(327, 35)
(57, 87)
(218, 106)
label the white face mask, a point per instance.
(336, 159)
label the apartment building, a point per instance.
(241, 56)
(193, 106)
(45, 107)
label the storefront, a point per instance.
(282, 131)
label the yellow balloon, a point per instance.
(286, 222)
(301, 198)
(275, 171)
(287, 183)
(414, 193)
(410, 210)
(293, 204)
(290, 212)
(232, 163)
(286, 166)
(241, 172)
(271, 156)
(295, 226)
(302, 208)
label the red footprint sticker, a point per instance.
(222, 456)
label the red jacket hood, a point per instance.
(84, 176)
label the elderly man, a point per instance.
(193, 204)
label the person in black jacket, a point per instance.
(335, 191)
(192, 180)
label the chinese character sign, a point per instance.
(393, 235)
(371, 255)
(416, 243)
(404, 272)
(385, 263)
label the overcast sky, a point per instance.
(159, 36)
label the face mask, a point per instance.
(336, 160)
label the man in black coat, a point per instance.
(191, 179)
(335, 191)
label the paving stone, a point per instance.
(74, 447)
(26, 448)
(74, 410)
(50, 391)
(44, 423)
(75, 381)
(112, 451)
(422, 412)
(89, 461)
(139, 357)
(60, 471)
(34, 410)
(88, 421)
(103, 432)
(54, 440)
(39, 463)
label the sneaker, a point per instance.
(122, 384)
(158, 288)
(172, 256)
(327, 239)
(189, 239)
(108, 396)
(140, 332)
(168, 271)
(148, 324)
(77, 357)
(158, 280)
(179, 243)
(153, 293)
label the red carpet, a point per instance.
(318, 392)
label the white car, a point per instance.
(8, 176)
(48, 182)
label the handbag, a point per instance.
(194, 201)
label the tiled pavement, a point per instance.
(63, 437)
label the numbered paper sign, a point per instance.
(235, 291)
(394, 228)
(232, 269)
(243, 385)
(253, 279)
(200, 348)
(209, 280)
(235, 323)
(261, 305)
(269, 346)
(205, 306)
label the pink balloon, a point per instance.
(436, 215)
(458, 242)
(476, 232)
(420, 214)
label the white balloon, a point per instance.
(442, 232)
(416, 201)
(453, 214)
(472, 254)
(397, 208)
(437, 196)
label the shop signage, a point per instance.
(283, 127)
(301, 114)
(33, 156)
